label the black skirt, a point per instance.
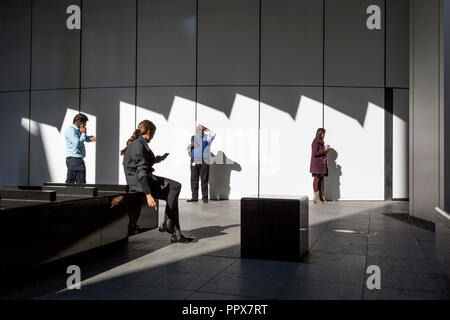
(320, 175)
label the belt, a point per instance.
(74, 158)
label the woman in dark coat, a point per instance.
(138, 164)
(319, 164)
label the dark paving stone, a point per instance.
(412, 281)
(261, 267)
(429, 247)
(198, 264)
(297, 289)
(329, 274)
(214, 296)
(396, 294)
(340, 261)
(396, 252)
(173, 280)
(390, 238)
(407, 265)
(254, 286)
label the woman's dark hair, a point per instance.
(319, 133)
(80, 118)
(143, 127)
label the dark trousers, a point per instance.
(169, 191)
(76, 170)
(199, 171)
(163, 189)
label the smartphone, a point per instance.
(165, 154)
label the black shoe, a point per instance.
(134, 229)
(205, 200)
(192, 200)
(182, 239)
(166, 226)
(178, 237)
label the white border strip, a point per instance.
(443, 213)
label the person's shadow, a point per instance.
(220, 174)
(332, 188)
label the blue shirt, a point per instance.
(202, 151)
(75, 142)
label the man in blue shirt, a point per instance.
(199, 150)
(75, 151)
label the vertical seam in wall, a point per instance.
(29, 93)
(196, 63)
(411, 107)
(81, 55)
(440, 102)
(385, 104)
(136, 66)
(323, 64)
(259, 101)
(388, 122)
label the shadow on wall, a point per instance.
(220, 175)
(332, 188)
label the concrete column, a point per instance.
(427, 165)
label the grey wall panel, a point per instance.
(105, 105)
(109, 43)
(397, 43)
(56, 49)
(354, 119)
(231, 112)
(289, 118)
(400, 145)
(354, 55)
(161, 99)
(228, 42)
(172, 110)
(166, 42)
(14, 138)
(15, 20)
(292, 42)
(47, 149)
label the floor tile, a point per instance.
(297, 289)
(248, 285)
(396, 252)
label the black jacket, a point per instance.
(138, 164)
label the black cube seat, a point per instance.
(274, 228)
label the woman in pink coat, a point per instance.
(319, 164)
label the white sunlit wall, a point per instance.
(262, 74)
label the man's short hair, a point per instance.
(80, 118)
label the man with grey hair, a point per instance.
(199, 151)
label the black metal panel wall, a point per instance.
(108, 43)
(228, 42)
(354, 55)
(166, 43)
(252, 48)
(56, 49)
(292, 42)
(15, 35)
